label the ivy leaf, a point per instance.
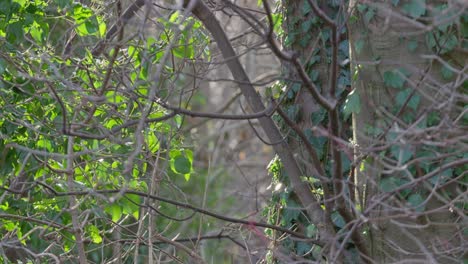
(3, 65)
(402, 96)
(441, 178)
(307, 25)
(393, 79)
(401, 153)
(290, 212)
(311, 230)
(317, 117)
(369, 15)
(302, 248)
(449, 42)
(446, 73)
(316, 142)
(415, 8)
(352, 104)
(306, 8)
(412, 45)
(314, 74)
(358, 45)
(338, 220)
(388, 184)
(361, 8)
(416, 200)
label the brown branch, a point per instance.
(315, 160)
(333, 113)
(328, 104)
(30, 219)
(121, 22)
(183, 205)
(212, 237)
(177, 110)
(204, 14)
(308, 201)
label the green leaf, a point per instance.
(446, 73)
(115, 211)
(302, 248)
(63, 3)
(278, 22)
(44, 144)
(441, 42)
(442, 178)
(153, 142)
(306, 8)
(3, 65)
(131, 205)
(311, 230)
(182, 165)
(86, 21)
(358, 45)
(416, 200)
(412, 45)
(361, 8)
(401, 153)
(389, 184)
(448, 42)
(94, 234)
(9, 225)
(402, 96)
(352, 104)
(314, 74)
(415, 8)
(14, 32)
(317, 117)
(307, 25)
(290, 212)
(316, 142)
(292, 111)
(338, 220)
(369, 15)
(393, 79)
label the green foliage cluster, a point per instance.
(54, 93)
(445, 38)
(443, 41)
(284, 208)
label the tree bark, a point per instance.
(379, 45)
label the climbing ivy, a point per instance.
(308, 36)
(300, 32)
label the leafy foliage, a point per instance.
(71, 123)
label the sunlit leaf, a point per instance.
(182, 165)
(94, 234)
(115, 211)
(352, 104)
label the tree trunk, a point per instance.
(400, 87)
